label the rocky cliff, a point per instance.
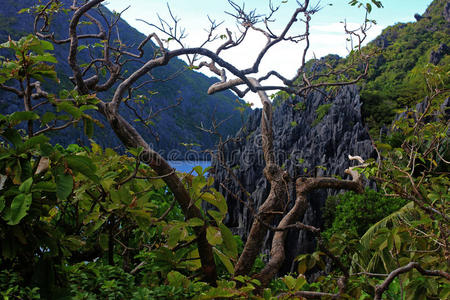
(313, 137)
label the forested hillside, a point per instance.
(167, 130)
(407, 49)
(402, 53)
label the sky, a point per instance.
(327, 31)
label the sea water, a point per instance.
(186, 166)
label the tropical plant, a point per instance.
(406, 251)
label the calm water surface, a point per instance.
(187, 165)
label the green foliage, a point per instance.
(31, 60)
(73, 207)
(61, 208)
(98, 281)
(355, 213)
(368, 6)
(12, 286)
(300, 106)
(321, 112)
(399, 58)
(280, 97)
(414, 168)
(395, 78)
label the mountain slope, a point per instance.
(404, 52)
(395, 79)
(170, 128)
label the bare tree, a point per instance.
(86, 80)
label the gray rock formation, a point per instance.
(304, 147)
(437, 55)
(446, 12)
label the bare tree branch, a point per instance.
(380, 289)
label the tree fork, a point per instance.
(303, 187)
(278, 179)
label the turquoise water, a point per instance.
(187, 166)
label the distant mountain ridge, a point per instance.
(171, 128)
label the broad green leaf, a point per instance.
(177, 279)
(217, 215)
(300, 282)
(44, 186)
(19, 209)
(225, 260)
(47, 150)
(174, 236)
(25, 187)
(217, 200)
(48, 117)
(214, 236)
(46, 57)
(74, 242)
(82, 47)
(289, 281)
(194, 222)
(96, 225)
(88, 127)
(64, 186)
(31, 143)
(17, 172)
(229, 241)
(194, 260)
(302, 266)
(23, 116)
(397, 242)
(121, 196)
(70, 109)
(13, 136)
(199, 170)
(45, 45)
(84, 165)
(87, 107)
(90, 218)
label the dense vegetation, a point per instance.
(399, 56)
(407, 49)
(356, 213)
(84, 222)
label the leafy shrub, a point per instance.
(11, 287)
(321, 112)
(355, 213)
(95, 280)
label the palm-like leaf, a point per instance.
(369, 258)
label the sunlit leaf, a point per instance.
(19, 209)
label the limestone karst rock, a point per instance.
(302, 149)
